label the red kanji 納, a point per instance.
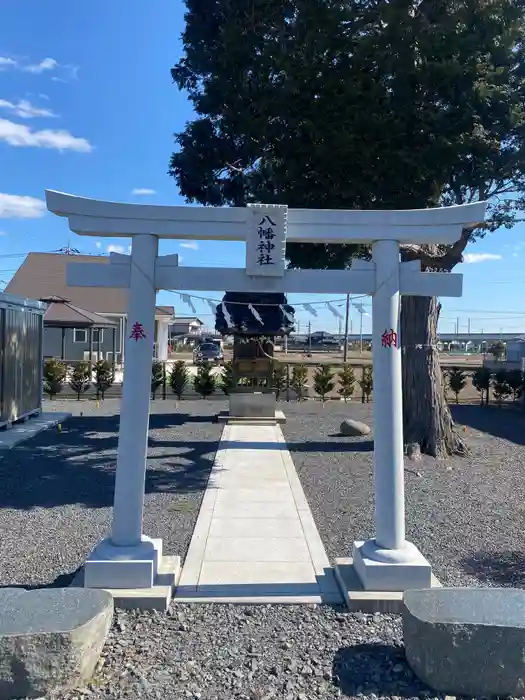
(389, 339)
(137, 331)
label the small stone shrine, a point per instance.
(254, 320)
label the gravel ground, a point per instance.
(57, 488)
(465, 514)
(254, 653)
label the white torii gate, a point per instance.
(129, 559)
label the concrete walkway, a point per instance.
(255, 540)
(20, 432)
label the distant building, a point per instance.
(43, 275)
(186, 325)
(516, 350)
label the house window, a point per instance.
(79, 335)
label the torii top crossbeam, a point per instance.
(93, 217)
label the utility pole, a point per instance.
(361, 335)
(347, 316)
(469, 326)
(310, 336)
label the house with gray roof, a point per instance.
(82, 311)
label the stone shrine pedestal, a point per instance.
(250, 407)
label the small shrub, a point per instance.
(457, 381)
(157, 376)
(104, 377)
(347, 382)
(515, 382)
(497, 350)
(323, 381)
(204, 381)
(80, 379)
(54, 376)
(179, 378)
(500, 386)
(481, 382)
(227, 378)
(299, 380)
(366, 383)
(279, 378)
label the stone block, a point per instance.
(256, 405)
(467, 641)
(354, 428)
(136, 566)
(50, 639)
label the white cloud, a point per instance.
(13, 206)
(98, 244)
(63, 73)
(24, 109)
(115, 248)
(22, 135)
(3, 233)
(480, 257)
(41, 66)
(69, 73)
(192, 245)
(6, 62)
(142, 191)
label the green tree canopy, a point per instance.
(359, 104)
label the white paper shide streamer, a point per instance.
(212, 305)
(286, 314)
(227, 315)
(188, 300)
(333, 310)
(256, 314)
(361, 309)
(310, 309)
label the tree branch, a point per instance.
(438, 261)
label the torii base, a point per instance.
(391, 570)
(137, 577)
(358, 599)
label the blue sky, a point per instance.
(87, 106)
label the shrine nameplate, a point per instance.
(252, 368)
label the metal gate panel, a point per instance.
(21, 344)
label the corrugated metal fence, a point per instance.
(21, 357)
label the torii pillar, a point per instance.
(388, 562)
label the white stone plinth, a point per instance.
(110, 566)
(391, 570)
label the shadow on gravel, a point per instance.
(507, 423)
(310, 446)
(375, 669)
(61, 581)
(77, 465)
(500, 568)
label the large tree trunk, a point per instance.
(426, 417)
